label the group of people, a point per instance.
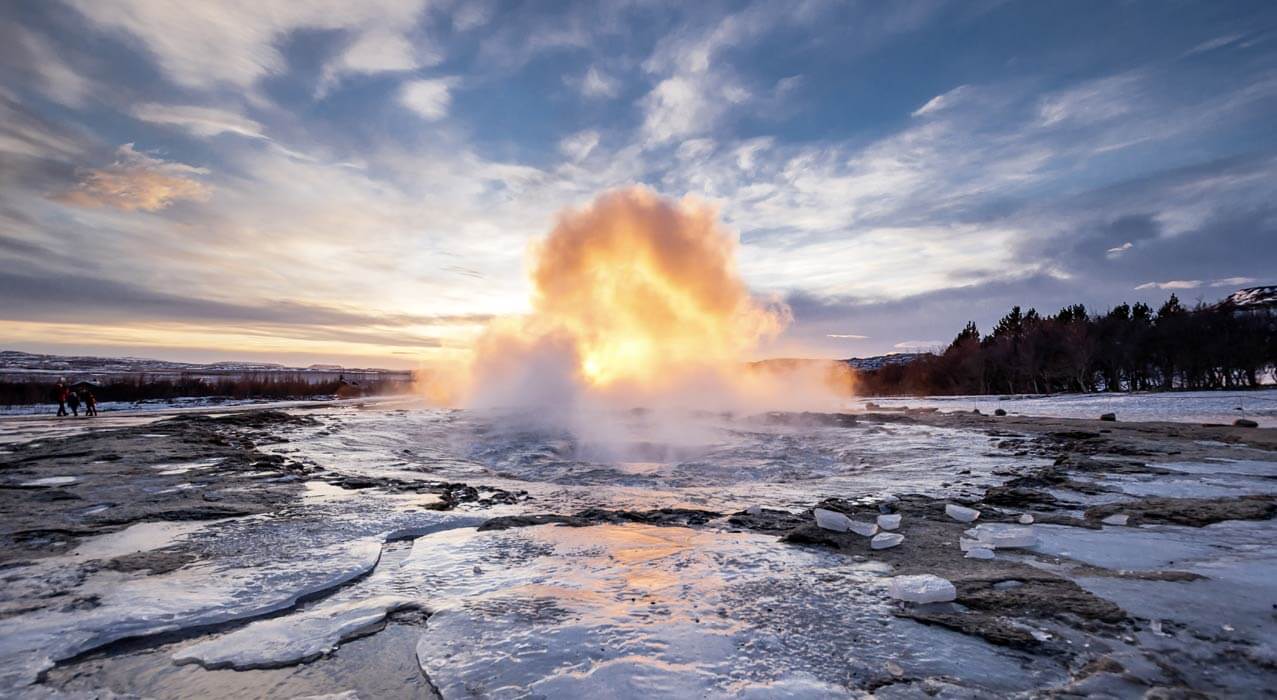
(71, 398)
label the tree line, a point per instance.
(143, 388)
(1128, 348)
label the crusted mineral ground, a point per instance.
(407, 552)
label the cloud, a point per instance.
(1233, 282)
(1171, 284)
(578, 146)
(204, 45)
(919, 344)
(1118, 250)
(1218, 42)
(939, 102)
(136, 181)
(57, 80)
(376, 52)
(596, 84)
(199, 121)
(847, 336)
(430, 99)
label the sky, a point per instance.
(359, 182)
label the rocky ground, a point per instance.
(1148, 574)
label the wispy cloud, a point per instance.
(199, 121)
(597, 84)
(137, 181)
(847, 336)
(939, 102)
(1117, 251)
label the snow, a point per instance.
(886, 540)
(1180, 406)
(962, 514)
(1025, 519)
(1116, 519)
(922, 588)
(979, 553)
(889, 522)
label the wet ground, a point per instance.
(396, 551)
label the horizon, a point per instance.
(362, 185)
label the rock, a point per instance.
(889, 522)
(886, 540)
(922, 588)
(1116, 519)
(979, 553)
(999, 412)
(832, 520)
(1109, 417)
(1026, 519)
(1245, 423)
(754, 510)
(962, 514)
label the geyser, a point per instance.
(635, 297)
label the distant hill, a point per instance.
(37, 367)
(861, 364)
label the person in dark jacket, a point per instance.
(60, 394)
(90, 403)
(73, 400)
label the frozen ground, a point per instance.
(410, 552)
(1180, 406)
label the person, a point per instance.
(90, 403)
(73, 400)
(60, 393)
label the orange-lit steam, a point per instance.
(634, 296)
(647, 290)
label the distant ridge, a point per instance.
(861, 364)
(13, 362)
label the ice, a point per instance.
(962, 514)
(293, 638)
(1116, 519)
(863, 529)
(1025, 519)
(139, 537)
(837, 522)
(922, 588)
(641, 611)
(51, 481)
(886, 540)
(204, 594)
(979, 553)
(832, 520)
(889, 522)
(998, 536)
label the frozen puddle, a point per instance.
(641, 611)
(51, 481)
(170, 468)
(1218, 630)
(142, 537)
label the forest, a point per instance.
(1128, 348)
